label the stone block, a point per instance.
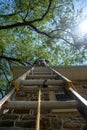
(45, 124)
(26, 124)
(4, 128)
(10, 128)
(70, 125)
(6, 123)
(18, 111)
(28, 117)
(56, 123)
(9, 117)
(84, 127)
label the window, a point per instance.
(61, 96)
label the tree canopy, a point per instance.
(39, 28)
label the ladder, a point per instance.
(42, 80)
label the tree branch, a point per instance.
(52, 37)
(26, 23)
(43, 16)
(9, 58)
(38, 31)
(67, 41)
(14, 59)
(11, 14)
(1, 92)
(18, 24)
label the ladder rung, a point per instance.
(40, 82)
(35, 88)
(44, 104)
(41, 69)
(55, 111)
(41, 76)
(40, 73)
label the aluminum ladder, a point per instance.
(44, 79)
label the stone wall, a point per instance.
(26, 120)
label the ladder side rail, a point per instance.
(81, 102)
(77, 95)
(17, 82)
(60, 75)
(70, 88)
(4, 99)
(24, 75)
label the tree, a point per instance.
(31, 29)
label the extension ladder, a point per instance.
(42, 81)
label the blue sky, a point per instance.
(81, 4)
